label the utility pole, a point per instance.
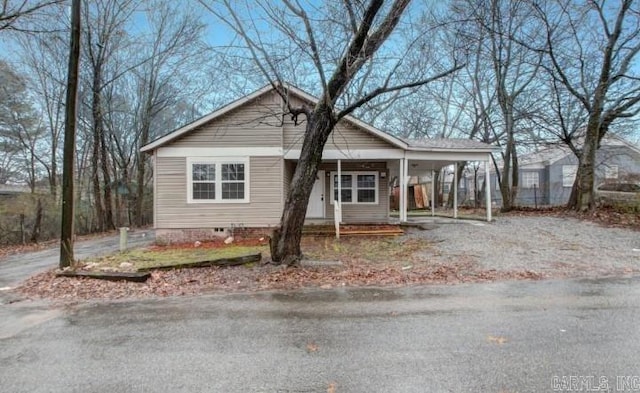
(67, 230)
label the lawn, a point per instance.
(374, 251)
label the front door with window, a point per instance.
(316, 200)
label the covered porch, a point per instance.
(362, 195)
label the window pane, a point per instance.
(366, 181)
(366, 195)
(530, 179)
(204, 191)
(204, 172)
(232, 190)
(346, 195)
(346, 181)
(232, 172)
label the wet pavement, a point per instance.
(498, 337)
(19, 267)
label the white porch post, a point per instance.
(337, 211)
(433, 193)
(455, 190)
(340, 181)
(405, 184)
(401, 193)
(487, 188)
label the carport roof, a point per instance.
(448, 144)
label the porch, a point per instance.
(366, 177)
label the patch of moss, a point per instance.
(149, 258)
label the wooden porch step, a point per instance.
(358, 231)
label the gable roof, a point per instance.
(168, 138)
(554, 153)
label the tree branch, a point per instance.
(384, 89)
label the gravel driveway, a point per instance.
(549, 245)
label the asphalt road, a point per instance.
(498, 337)
(17, 268)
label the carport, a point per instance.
(426, 156)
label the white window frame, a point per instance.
(569, 175)
(530, 179)
(218, 162)
(354, 187)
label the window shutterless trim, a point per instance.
(218, 162)
(354, 187)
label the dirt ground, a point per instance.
(522, 245)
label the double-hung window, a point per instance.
(356, 187)
(530, 180)
(569, 175)
(217, 180)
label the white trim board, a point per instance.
(360, 154)
(219, 152)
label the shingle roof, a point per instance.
(447, 143)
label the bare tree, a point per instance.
(175, 51)
(104, 34)
(44, 60)
(515, 69)
(592, 49)
(12, 12)
(357, 39)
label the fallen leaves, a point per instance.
(607, 216)
(364, 262)
(312, 347)
(194, 281)
(497, 339)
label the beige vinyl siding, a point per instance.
(360, 213)
(344, 137)
(289, 168)
(264, 208)
(256, 124)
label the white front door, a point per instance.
(316, 200)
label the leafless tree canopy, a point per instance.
(520, 74)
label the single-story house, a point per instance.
(547, 176)
(232, 168)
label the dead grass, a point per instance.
(149, 258)
(364, 261)
(374, 251)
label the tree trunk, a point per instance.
(53, 178)
(95, 154)
(436, 185)
(140, 173)
(584, 199)
(37, 225)
(509, 187)
(461, 166)
(285, 240)
(106, 180)
(515, 174)
(23, 239)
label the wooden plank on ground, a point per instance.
(235, 261)
(110, 276)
